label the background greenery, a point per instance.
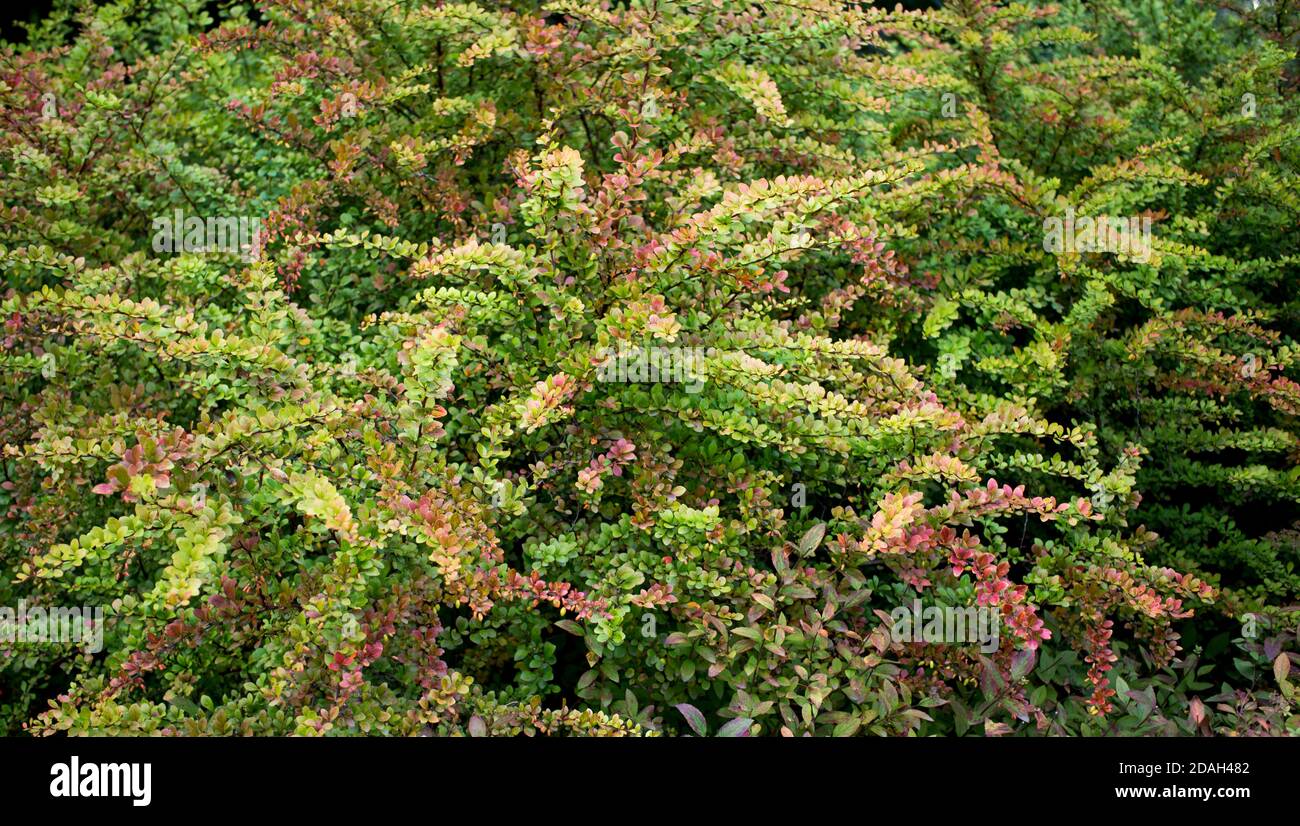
(371, 483)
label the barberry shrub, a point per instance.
(620, 368)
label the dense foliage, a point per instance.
(376, 473)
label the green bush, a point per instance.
(646, 367)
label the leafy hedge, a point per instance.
(395, 468)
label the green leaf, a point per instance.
(694, 718)
(738, 727)
(811, 539)
(847, 728)
(571, 626)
